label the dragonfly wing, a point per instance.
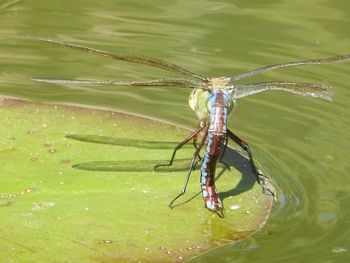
(330, 60)
(152, 62)
(181, 83)
(315, 90)
(72, 81)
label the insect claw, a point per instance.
(155, 168)
(267, 188)
(195, 165)
(273, 194)
(226, 165)
(274, 197)
(264, 181)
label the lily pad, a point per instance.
(78, 185)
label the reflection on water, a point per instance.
(303, 144)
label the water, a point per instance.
(303, 143)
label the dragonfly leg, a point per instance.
(195, 146)
(193, 135)
(260, 178)
(193, 163)
(223, 153)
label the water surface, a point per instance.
(302, 143)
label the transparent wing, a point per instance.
(337, 59)
(181, 83)
(152, 62)
(315, 90)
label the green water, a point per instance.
(302, 143)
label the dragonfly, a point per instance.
(212, 99)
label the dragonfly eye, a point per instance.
(198, 102)
(229, 101)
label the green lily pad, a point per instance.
(78, 185)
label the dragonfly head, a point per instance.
(218, 83)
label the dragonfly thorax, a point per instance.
(201, 101)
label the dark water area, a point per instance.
(302, 143)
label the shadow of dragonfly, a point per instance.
(231, 158)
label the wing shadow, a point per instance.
(231, 158)
(133, 166)
(124, 141)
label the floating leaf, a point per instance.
(114, 207)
